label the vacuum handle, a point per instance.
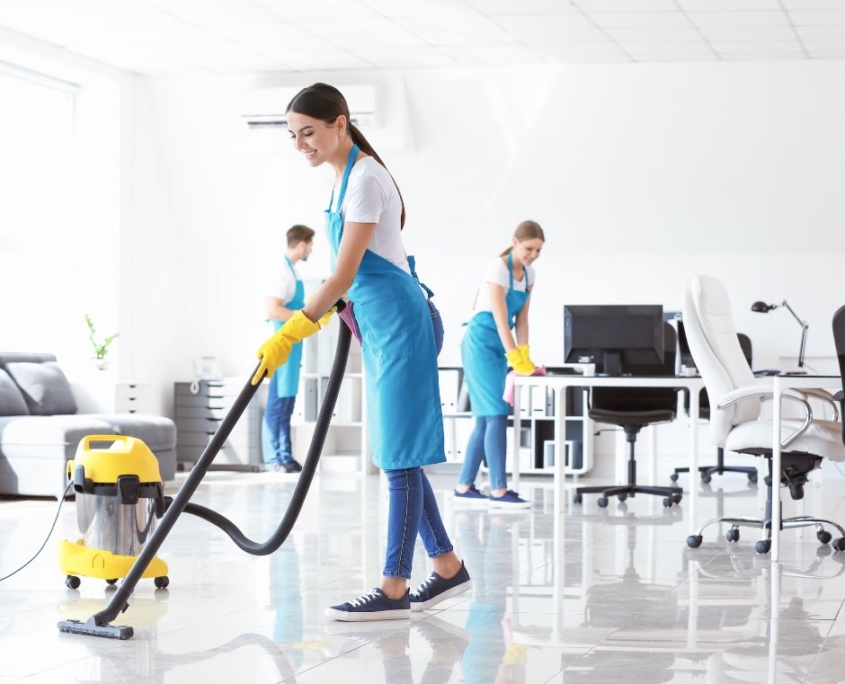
(125, 442)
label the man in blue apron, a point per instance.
(286, 297)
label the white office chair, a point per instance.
(736, 424)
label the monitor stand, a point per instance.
(611, 364)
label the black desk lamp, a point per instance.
(762, 307)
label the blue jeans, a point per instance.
(488, 438)
(413, 510)
(277, 424)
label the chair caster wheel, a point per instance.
(162, 582)
(621, 497)
(577, 499)
(706, 478)
(752, 478)
(763, 546)
(677, 498)
(674, 477)
(839, 544)
(667, 502)
(732, 535)
(602, 502)
(824, 537)
(694, 541)
(72, 582)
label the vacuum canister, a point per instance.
(119, 493)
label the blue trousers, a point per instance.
(488, 438)
(412, 510)
(277, 415)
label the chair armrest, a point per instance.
(826, 397)
(756, 391)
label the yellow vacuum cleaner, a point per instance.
(119, 497)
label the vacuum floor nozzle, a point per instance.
(91, 628)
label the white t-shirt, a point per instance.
(283, 284)
(497, 272)
(372, 197)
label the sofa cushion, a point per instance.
(44, 387)
(12, 402)
(156, 432)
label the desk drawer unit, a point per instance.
(200, 408)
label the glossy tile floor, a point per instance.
(597, 595)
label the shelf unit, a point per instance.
(537, 451)
(346, 448)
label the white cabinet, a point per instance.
(346, 448)
(131, 398)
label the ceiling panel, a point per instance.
(231, 36)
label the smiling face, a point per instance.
(527, 251)
(317, 140)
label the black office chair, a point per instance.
(707, 472)
(632, 409)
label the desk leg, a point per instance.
(692, 495)
(776, 468)
(560, 447)
(517, 424)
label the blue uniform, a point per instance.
(287, 376)
(483, 354)
(405, 422)
(276, 444)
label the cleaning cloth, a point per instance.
(508, 395)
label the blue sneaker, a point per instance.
(471, 496)
(436, 589)
(510, 499)
(372, 606)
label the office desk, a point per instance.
(781, 383)
(559, 383)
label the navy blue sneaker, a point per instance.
(471, 496)
(372, 606)
(436, 589)
(509, 500)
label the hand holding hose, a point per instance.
(275, 351)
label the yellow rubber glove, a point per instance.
(275, 351)
(524, 350)
(519, 363)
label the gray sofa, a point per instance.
(42, 419)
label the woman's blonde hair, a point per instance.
(527, 230)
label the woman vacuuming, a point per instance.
(364, 221)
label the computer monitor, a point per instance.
(612, 335)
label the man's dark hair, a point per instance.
(299, 234)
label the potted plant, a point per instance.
(101, 347)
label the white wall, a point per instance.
(641, 175)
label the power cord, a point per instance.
(49, 534)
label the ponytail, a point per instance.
(359, 139)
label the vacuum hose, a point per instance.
(308, 468)
(99, 623)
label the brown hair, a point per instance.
(326, 103)
(527, 230)
(299, 233)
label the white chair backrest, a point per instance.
(717, 354)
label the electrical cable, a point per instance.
(47, 538)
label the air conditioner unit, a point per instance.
(264, 108)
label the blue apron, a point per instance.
(483, 356)
(287, 376)
(404, 418)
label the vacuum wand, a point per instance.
(98, 624)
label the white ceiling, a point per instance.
(238, 36)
